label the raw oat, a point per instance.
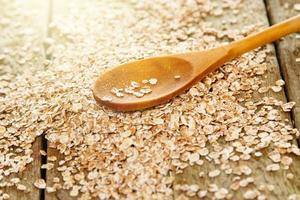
(280, 82)
(297, 6)
(152, 81)
(276, 88)
(214, 173)
(106, 98)
(202, 193)
(21, 187)
(287, 107)
(273, 167)
(250, 194)
(134, 84)
(40, 184)
(290, 176)
(221, 193)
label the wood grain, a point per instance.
(25, 31)
(58, 8)
(288, 52)
(251, 12)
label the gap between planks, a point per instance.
(287, 52)
(35, 20)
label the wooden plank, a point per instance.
(287, 51)
(23, 26)
(23, 30)
(250, 13)
(59, 9)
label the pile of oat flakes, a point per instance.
(138, 155)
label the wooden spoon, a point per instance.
(176, 73)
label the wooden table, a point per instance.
(283, 62)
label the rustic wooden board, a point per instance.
(57, 8)
(251, 12)
(288, 52)
(26, 29)
(61, 194)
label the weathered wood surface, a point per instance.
(23, 27)
(251, 12)
(288, 52)
(59, 9)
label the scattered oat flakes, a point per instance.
(145, 81)
(47, 166)
(194, 188)
(294, 197)
(290, 176)
(261, 197)
(297, 6)
(221, 193)
(40, 184)
(5, 196)
(250, 194)
(280, 82)
(263, 89)
(201, 174)
(212, 187)
(194, 157)
(92, 175)
(145, 90)
(15, 180)
(43, 153)
(258, 154)
(128, 90)
(51, 158)
(273, 167)
(276, 88)
(50, 189)
(119, 94)
(106, 98)
(286, 160)
(153, 81)
(275, 156)
(203, 151)
(271, 187)
(114, 90)
(202, 193)
(55, 180)
(245, 170)
(75, 191)
(138, 94)
(2, 130)
(21, 187)
(246, 181)
(134, 84)
(76, 107)
(214, 173)
(287, 107)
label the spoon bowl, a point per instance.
(174, 74)
(165, 70)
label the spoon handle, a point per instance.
(265, 36)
